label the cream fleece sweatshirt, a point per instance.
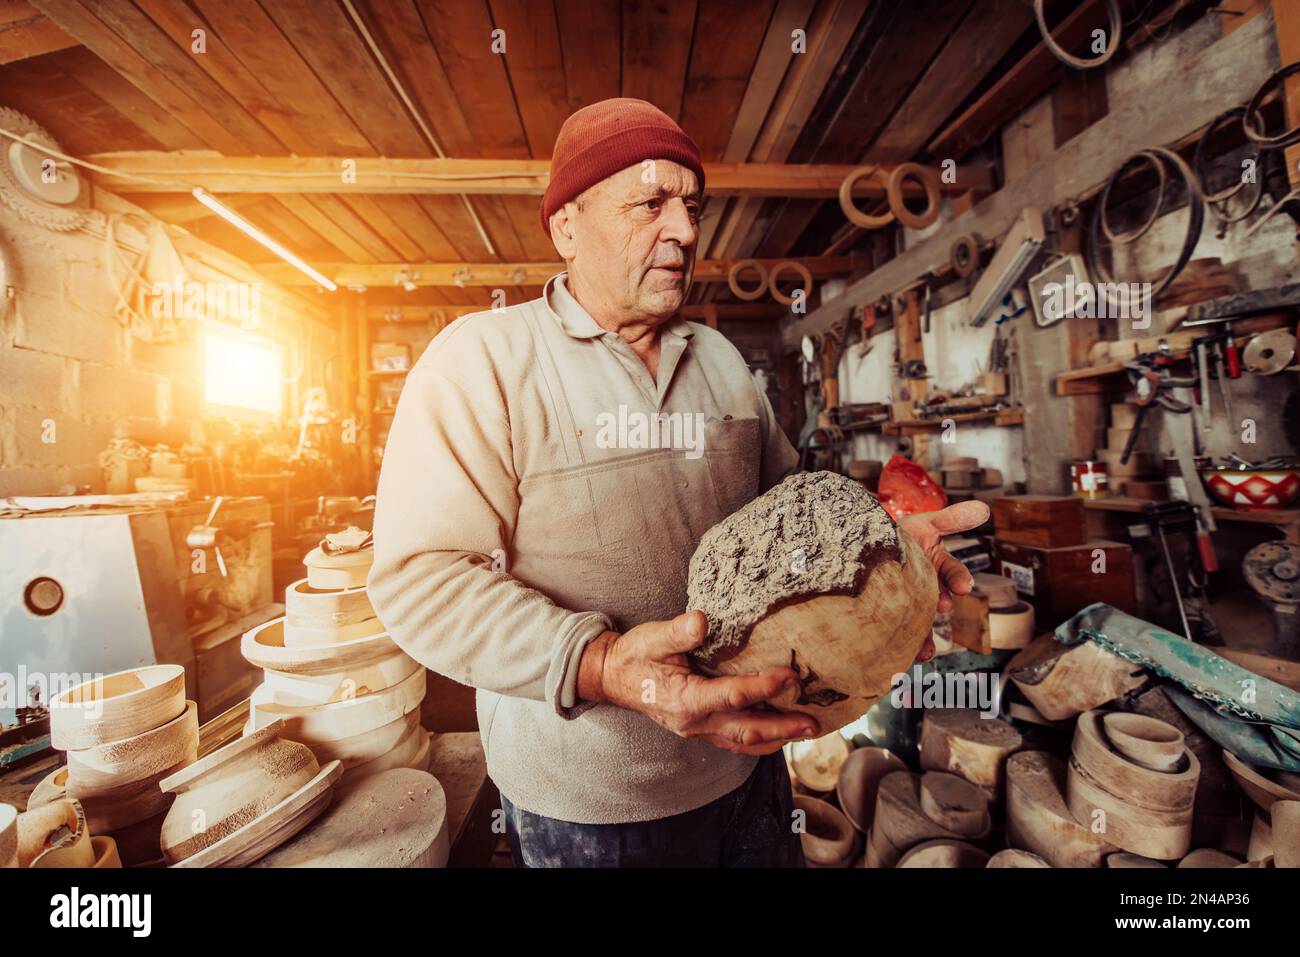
(528, 501)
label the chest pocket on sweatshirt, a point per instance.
(733, 450)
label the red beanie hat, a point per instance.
(599, 140)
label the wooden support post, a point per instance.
(366, 403)
(1286, 24)
(907, 328)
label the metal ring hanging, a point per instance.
(1199, 157)
(781, 267)
(1195, 222)
(1123, 239)
(851, 212)
(894, 190)
(1253, 123)
(1069, 59)
(733, 283)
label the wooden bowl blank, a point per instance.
(54, 835)
(341, 719)
(1264, 791)
(343, 570)
(1125, 859)
(1149, 742)
(817, 762)
(860, 779)
(111, 811)
(368, 745)
(944, 853)
(394, 819)
(1013, 857)
(106, 768)
(1208, 857)
(304, 636)
(341, 685)
(225, 790)
(105, 849)
(8, 836)
(411, 752)
(1286, 834)
(954, 803)
(325, 608)
(264, 647)
(828, 838)
(117, 706)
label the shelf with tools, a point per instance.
(1000, 417)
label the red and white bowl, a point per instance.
(1253, 489)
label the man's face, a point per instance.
(630, 242)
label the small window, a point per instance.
(242, 371)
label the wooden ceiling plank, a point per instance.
(26, 33)
(352, 225)
(719, 73)
(589, 40)
(829, 32)
(378, 219)
(1017, 87)
(984, 37)
(535, 65)
(125, 97)
(462, 33)
(247, 52)
(400, 31)
(172, 57)
(448, 214)
(305, 210)
(656, 51)
(72, 17)
(415, 223)
(327, 40)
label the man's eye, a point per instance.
(653, 204)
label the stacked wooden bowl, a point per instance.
(244, 800)
(1132, 779)
(334, 677)
(123, 734)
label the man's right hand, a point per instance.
(646, 670)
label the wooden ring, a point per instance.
(851, 211)
(781, 267)
(894, 190)
(944, 853)
(117, 706)
(325, 608)
(1149, 742)
(733, 280)
(828, 839)
(111, 768)
(264, 647)
(1118, 774)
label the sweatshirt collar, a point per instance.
(579, 324)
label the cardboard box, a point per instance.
(1059, 582)
(1052, 521)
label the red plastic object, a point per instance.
(907, 489)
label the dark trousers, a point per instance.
(753, 826)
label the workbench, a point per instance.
(1287, 520)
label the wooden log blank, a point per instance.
(969, 745)
(1062, 681)
(1039, 820)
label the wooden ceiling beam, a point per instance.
(510, 274)
(419, 314)
(179, 171)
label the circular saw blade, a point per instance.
(1270, 352)
(15, 188)
(1273, 570)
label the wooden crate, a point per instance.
(1058, 582)
(1048, 521)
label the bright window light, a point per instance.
(242, 371)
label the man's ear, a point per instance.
(562, 231)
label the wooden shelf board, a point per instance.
(1120, 503)
(1004, 417)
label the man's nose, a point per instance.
(676, 223)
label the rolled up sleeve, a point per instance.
(445, 515)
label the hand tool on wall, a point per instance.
(1152, 383)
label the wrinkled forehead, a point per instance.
(653, 178)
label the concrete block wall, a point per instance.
(70, 374)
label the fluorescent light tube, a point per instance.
(232, 217)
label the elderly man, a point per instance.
(525, 548)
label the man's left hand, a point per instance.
(927, 530)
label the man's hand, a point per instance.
(645, 670)
(927, 530)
